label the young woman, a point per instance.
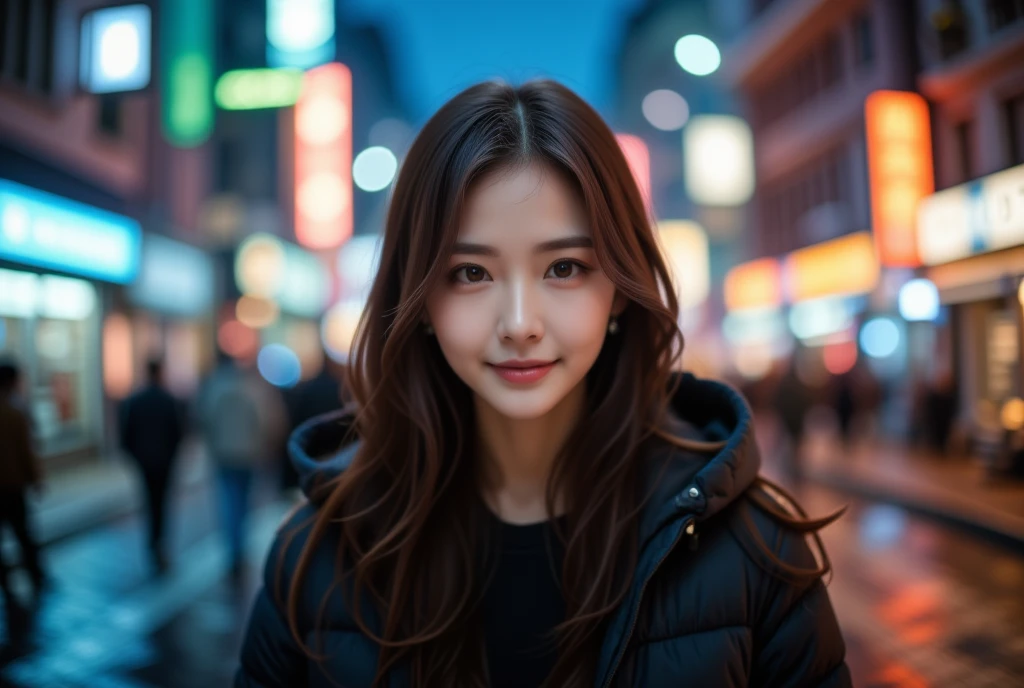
(524, 493)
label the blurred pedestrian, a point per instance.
(242, 420)
(940, 412)
(792, 401)
(846, 405)
(151, 432)
(20, 471)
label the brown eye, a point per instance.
(473, 274)
(564, 269)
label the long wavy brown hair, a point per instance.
(407, 512)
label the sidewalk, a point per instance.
(955, 490)
(77, 499)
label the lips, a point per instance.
(523, 372)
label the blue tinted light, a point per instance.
(880, 337)
(42, 229)
(279, 365)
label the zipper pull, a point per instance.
(691, 532)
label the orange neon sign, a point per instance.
(900, 170)
(757, 284)
(844, 266)
(323, 158)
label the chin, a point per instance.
(522, 409)
(525, 403)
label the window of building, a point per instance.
(950, 24)
(811, 75)
(26, 43)
(863, 41)
(110, 115)
(1002, 13)
(1014, 109)
(784, 203)
(965, 149)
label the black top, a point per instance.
(522, 604)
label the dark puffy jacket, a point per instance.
(703, 611)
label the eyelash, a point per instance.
(583, 270)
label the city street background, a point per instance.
(192, 194)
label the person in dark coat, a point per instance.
(19, 471)
(151, 431)
(523, 491)
(705, 608)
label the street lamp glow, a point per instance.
(718, 160)
(119, 50)
(919, 300)
(665, 109)
(374, 168)
(300, 33)
(114, 49)
(697, 54)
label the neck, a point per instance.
(517, 457)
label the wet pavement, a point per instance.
(920, 604)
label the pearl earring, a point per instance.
(613, 325)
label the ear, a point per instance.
(619, 304)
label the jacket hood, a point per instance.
(679, 480)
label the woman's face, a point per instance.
(524, 288)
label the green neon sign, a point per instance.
(186, 52)
(252, 89)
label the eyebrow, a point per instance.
(553, 245)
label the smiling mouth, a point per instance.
(523, 372)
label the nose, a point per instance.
(520, 321)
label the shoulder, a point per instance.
(296, 555)
(784, 563)
(745, 567)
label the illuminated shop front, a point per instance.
(971, 237)
(51, 323)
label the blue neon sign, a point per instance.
(49, 231)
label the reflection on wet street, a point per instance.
(920, 604)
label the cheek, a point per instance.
(458, 323)
(582, 320)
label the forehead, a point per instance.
(519, 203)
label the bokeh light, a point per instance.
(839, 357)
(279, 365)
(259, 265)
(237, 340)
(338, 328)
(117, 356)
(358, 260)
(665, 109)
(919, 300)
(303, 337)
(880, 337)
(374, 168)
(255, 312)
(718, 160)
(697, 54)
(1012, 414)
